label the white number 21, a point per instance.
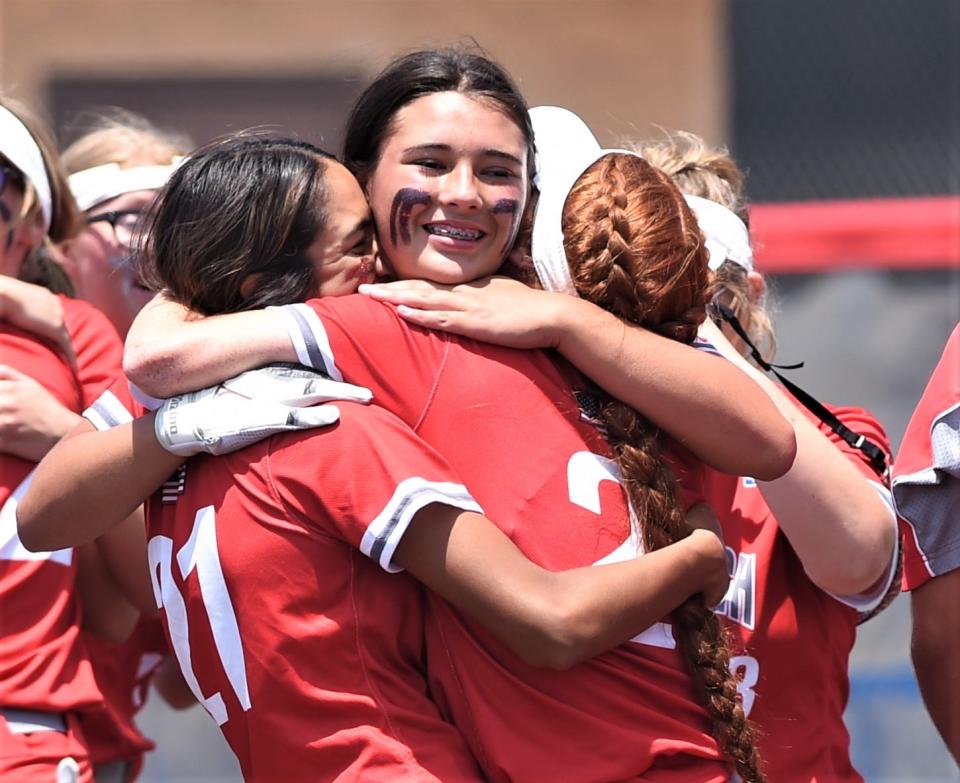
(200, 553)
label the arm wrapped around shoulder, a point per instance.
(250, 407)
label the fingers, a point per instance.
(411, 292)
(439, 320)
(8, 373)
(65, 344)
(318, 416)
(294, 388)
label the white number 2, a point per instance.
(200, 553)
(585, 472)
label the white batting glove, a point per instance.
(294, 385)
(248, 408)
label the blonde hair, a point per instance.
(124, 138)
(711, 173)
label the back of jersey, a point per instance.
(307, 653)
(518, 428)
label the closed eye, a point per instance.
(430, 165)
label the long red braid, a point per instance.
(636, 251)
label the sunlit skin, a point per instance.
(342, 255)
(441, 187)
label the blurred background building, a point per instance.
(845, 113)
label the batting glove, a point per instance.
(250, 407)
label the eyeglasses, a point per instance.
(127, 225)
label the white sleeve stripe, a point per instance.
(383, 534)
(148, 402)
(292, 325)
(309, 338)
(107, 412)
(868, 601)
(706, 346)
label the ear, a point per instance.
(34, 231)
(757, 286)
(249, 285)
(66, 255)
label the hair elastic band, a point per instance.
(21, 149)
(101, 183)
(726, 235)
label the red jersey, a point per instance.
(43, 662)
(926, 475)
(272, 567)
(97, 345)
(791, 640)
(510, 424)
(123, 672)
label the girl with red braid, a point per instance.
(810, 553)
(635, 706)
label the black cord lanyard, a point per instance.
(874, 453)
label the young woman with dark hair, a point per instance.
(457, 205)
(304, 510)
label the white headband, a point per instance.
(19, 147)
(565, 149)
(101, 183)
(725, 234)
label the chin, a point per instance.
(452, 271)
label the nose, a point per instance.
(460, 187)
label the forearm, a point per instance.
(169, 350)
(600, 607)
(707, 404)
(105, 610)
(550, 620)
(90, 482)
(169, 683)
(936, 653)
(837, 523)
(123, 550)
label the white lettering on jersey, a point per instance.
(585, 472)
(746, 669)
(10, 546)
(200, 552)
(740, 601)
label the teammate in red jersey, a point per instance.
(115, 169)
(926, 486)
(807, 552)
(45, 674)
(34, 419)
(510, 619)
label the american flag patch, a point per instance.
(589, 407)
(172, 488)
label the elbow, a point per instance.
(32, 529)
(868, 564)
(147, 368)
(561, 640)
(776, 454)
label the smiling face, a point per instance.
(449, 188)
(342, 254)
